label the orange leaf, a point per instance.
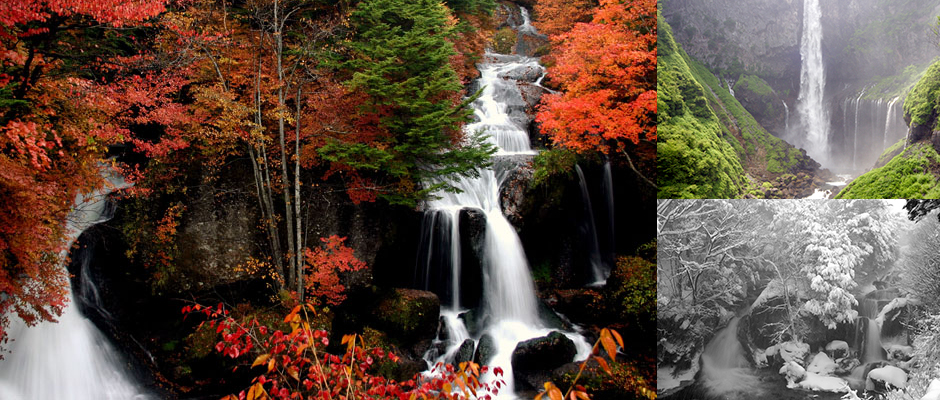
(555, 394)
(260, 360)
(617, 336)
(603, 364)
(581, 395)
(608, 342)
(256, 392)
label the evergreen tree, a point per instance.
(401, 61)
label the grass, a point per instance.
(909, 175)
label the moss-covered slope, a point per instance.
(914, 173)
(699, 121)
(692, 159)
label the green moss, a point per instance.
(631, 290)
(692, 159)
(908, 175)
(923, 102)
(754, 84)
(504, 40)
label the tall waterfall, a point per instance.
(71, 358)
(594, 248)
(509, 303)
(813, 83)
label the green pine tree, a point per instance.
(401, 59)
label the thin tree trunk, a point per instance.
(297, 225)
(281, 108)
(263, 182)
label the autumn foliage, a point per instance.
(323, 266)
(606, 73)
(294, 363)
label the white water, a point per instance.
(726, 372)
(786, 110)
(70, 359)
(855, 136)
(812, 84)
(889, 118)
(509, 297)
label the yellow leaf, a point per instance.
(292, 371)
(271, 365)
(260, 360)
(256, 392)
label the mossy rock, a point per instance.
(759, 99)
(407, 314)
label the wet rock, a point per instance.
(900, 352)
(474, 320)
(486, 348)
(544, 353)
(523, 73)
(464, 352)
(886, 378)
(512, 193)
(531, 94)
(837, 349)
(409, 315)
(551, 319)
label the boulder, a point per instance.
(821, 364)
(886, 378)
(486, 348)
(793, 372)
(407, 314)
(837, 349)
(523, 73)
(543, 353)
(464, 352)
(898, 352)
(845, 366)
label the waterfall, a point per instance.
(730, 90)
(71, 358)
(594, 249)
(609, 197)
(889, 118)
(786, 121)
(726, 372)
(812, 83)
(510, 306)
(855, 136)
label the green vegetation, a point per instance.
(753, 83)
(695, 113)
(692, 159)
(908, 175)
(896, 85)
(504, 40)
(923, 103)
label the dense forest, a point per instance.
(798, 298)
(327, 199)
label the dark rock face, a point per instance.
(464, 352)
(474, 320)
(407, 314)
(486, 348)
(764, 103)
(544, 353)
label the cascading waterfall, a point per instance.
(813, 83)
(786, 121)
(726, 372)
(509, 299)
(71, 358)
(609, 196)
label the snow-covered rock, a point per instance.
(898, 352)
(837, 349)
(821, 365)
(793, 372)
(823, 383)
(889, 375)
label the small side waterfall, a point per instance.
(889, 118)
(855, 135)
(813, 84)
(69, 359)
(594, 249)
(786, 121)
(609, 197)
(873, 126)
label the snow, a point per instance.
(793, 372)
(888, 374)
(896, 303)
(899, 352)
(665, 379)
(793, 351)
(933, 391)
(837, 345)
(823, 383)
(821, 365)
